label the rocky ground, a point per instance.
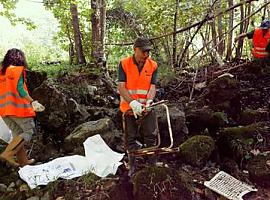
(219, 117)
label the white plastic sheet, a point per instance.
(99, 159)
(5, 132)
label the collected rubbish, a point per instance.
(99, 159)
(5, 133)
(228, 186)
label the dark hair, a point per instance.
(13, 57)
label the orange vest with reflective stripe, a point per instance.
(11, 104)
(260, 42)
(137, 84)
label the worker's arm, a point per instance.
(240, 36)
(249, 35)
(23, 93)
(152, 92)
(121, 86)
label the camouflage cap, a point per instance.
(143, 43)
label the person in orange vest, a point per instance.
(260, 38)
(17, 108)
(137, 79)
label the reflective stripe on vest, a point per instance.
(260, 43)
(137, 83)
(11, 104)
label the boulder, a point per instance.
(197, 150)
(178, 125)
(160, 183)
(61, 112)
(250, 116)
(104, 127)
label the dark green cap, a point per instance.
(143, 43)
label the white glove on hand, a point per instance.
(136, 107)
(149, 103)
(37, 106)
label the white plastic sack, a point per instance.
(99, 154)
(5, 132)
(65, 167)
(99, 159)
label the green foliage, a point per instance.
(89, 179)
(6, 10)
(55, 70)
(165, 75)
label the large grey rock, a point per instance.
(3, 187)
(61, 111)
(178, 124)
(104, 127)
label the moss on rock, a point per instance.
(236, 142)
(160, 183)
(197, 149)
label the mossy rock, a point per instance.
(197, 149)
(217, 120)
(223, 89)
(153, 183)
(236, 142)
(249, 116)
(259, 171)
(198, 120)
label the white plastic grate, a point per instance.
(228, 186)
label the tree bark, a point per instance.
(77, 33)
(241, 41)
(220, 29)
(230, 35)
(175, 35)
(103, 25)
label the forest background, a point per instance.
(184, 33)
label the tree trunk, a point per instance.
(213, 27)
(77, 33)
(243, 29)
(175, 35)
(220, 27)
(103, 25)
(71, 47)
(230, 36)
(240, 42)
(98, 19)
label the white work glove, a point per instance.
(149, 103)
(136, 107)
(37, 106)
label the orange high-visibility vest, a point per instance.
(137, 84)
(11, 104)
(260, 42)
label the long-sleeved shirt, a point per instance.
(20, 88)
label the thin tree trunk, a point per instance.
(95, 27)
(71, 47)
(77, 33)
(102, 26)
(240, 42)
(174, 63)
(220, 28)
(230, 35)
(98, 19)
